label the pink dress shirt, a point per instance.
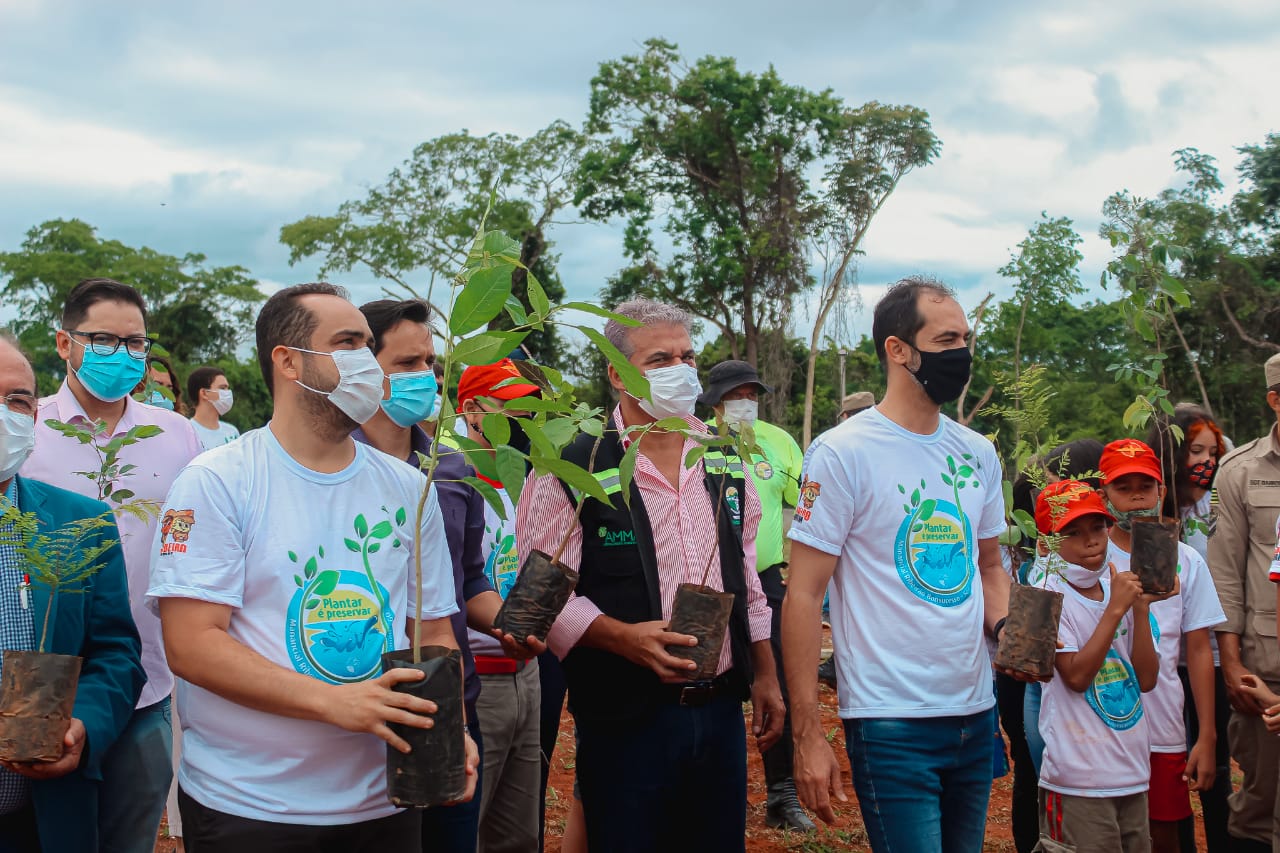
(684, 538)
(56, 460)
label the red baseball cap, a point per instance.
(1129, 456)
(1063, 502)
(479, 381)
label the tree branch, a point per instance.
(1261, 344)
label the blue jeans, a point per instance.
(923, 784)
(672, 780)
(455, 829)
(136, 774)
(1031, 723)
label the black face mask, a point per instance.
(1201, 474)
(944, 374)
(519, 440)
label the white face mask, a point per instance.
(738, 412)
(358, 393)
(17, 438)
(223, 402)
(1076, 575)
(674, 390)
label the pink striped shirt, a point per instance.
(684, 537)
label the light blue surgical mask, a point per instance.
(160, 400)
(110, 378)
(413, 397)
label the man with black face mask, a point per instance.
(902, 506)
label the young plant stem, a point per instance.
(715, 548)
(577, 515)
(48, 609)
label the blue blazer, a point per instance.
(97, 625)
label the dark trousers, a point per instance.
(551, 676)
(778, 758)
(18, 832)
(454, 829)
(673, 780)
(1213, 803)
(206, 830)
(1010, 693)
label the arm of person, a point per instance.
(816, 772)
(1201, 761)
(1078, 669)
(768, 712)
(482, 611)
(200, 650)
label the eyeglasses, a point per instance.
(105, 343)
(20, 404)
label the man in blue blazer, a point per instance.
(53, 806)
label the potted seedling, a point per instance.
(1150, 292)
(433, 772)
(38, 693)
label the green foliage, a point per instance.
(408, 230)
(200, 312)
(110, 472)
(64, 559)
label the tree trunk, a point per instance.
(1195, 368)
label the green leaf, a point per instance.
(310, 568)
(946, 479)
(362, 526)
(916, 528)
(320, 551)
(902, 489)
(375, 547)
(511, 471)
(122, 495)
(927, 508)
(599, 311)
(694, 455)
(326, 583)
(627, 471)
(592, 427)
(490, 495)
(486, 347)
(631, 376)
(144, 431)
(481, 299)
(576, 477)
(515, 310)
(477, 456)
(560, 431)
(352, 545)
(298, 580)
(313, 604)
(537, 296)
(381, 530)
(496, 428)
(401, 517)
(915, 498)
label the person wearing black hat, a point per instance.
(733, 392)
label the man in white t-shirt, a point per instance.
(283, 572)
(902, 506)
(210, 393)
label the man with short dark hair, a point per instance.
(1240, 552)
(284, 571)
(733, 392)
(104, 342)
(903, 506)
(661, 758)
(53, 806)
(210, 393)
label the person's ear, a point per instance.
(899, 351)
(615, 380)
(287, 362)
(62, 341)
(1042, 547)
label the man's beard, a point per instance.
(327, 420)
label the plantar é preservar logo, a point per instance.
(339, 621)
(176, 525)
(934, 547)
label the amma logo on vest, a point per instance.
(615, 538)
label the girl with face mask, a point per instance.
(1190, 463)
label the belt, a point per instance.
(498, 665)
(696, 694)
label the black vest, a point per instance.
(619, 573)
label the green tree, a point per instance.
(408, 230)
(196, 311)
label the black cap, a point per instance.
(726, 376)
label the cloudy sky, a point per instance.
(205, 127)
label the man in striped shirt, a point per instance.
(680, 744)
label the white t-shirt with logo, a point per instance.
(318, 569)
(211, 438)
(1096, 743)
(501, 565)
(904, 514)
(1196, 606)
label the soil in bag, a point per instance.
(1029, 642)
(701, 612)
(37, 699)
(535, 600)
(1155, 553)
(434, 772)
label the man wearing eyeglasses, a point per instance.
(104, 342)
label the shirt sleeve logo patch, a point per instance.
(176, 526)
(809, 492)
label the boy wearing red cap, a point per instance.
(1096, 761)
(510, 694)
(1132, 485)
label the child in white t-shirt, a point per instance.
(1132, 484)
(1094, 778)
